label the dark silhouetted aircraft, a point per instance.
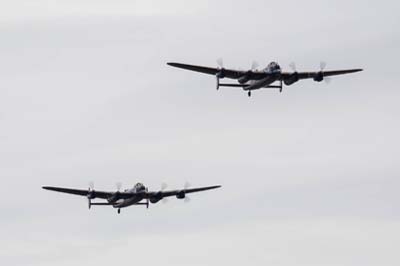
(258, 79)
(135, 196)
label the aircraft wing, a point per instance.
(257, 75)
(228, 73)
(307, 75)
(169, 193)
(95, 193)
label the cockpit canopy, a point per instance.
(273, 67)
(139, 187)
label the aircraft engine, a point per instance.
(245, 78)
(91, 194)
(319, 77)
(114, 198)
(156, 198)
(221, 73)
(291, 79)
(181, 195)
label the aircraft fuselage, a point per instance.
(127, 202)
(139, 191)
(262, 83)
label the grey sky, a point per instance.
(310, 176)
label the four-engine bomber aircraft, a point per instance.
(128, 197)
(257, 79)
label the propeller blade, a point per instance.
(187, 185)
(90, 191)
(89, 195)
(328, 80)
(254, 65)
(164, 187)
(293, 66)
(322, 65)
(220, 62)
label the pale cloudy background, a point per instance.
(310, 176)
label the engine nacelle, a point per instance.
(181, 195)
(291, 79)
(245, 78)
(156, 198)
(114, 198)
(91, 194)
(221, 73)
(319, 77)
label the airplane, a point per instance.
(258, 79)
(134, 196)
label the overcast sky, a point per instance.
(310, 176)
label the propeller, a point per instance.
(254, 65)
(118, 185)
(220, 62)
(293, 66)
(90, 194)
(147, 200)
(322, 66)
(320, 75)
(221, 71)
(164, 187)
(186, 187)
